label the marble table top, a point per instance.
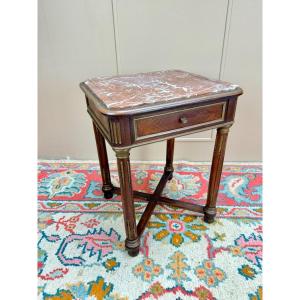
(126, 91)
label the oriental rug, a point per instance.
(81, 252)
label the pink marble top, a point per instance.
(125, 91)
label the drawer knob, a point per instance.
(183, 120)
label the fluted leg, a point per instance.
(215, 174)
(132, 241)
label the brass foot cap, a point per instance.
(209, 218)
(108, 194)
(133, 252)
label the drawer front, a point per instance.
(176, 121)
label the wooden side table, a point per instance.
(133, 110)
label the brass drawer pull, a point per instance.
(183, 120)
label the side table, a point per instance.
(133, 110)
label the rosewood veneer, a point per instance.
(133, 110)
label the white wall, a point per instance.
(83, 38)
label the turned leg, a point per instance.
(169, 157)
(215, 174)
(107, 186)
(132, 241)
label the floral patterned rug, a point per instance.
(81, 252)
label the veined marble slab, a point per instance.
(124, 91)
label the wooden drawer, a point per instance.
(175, 121)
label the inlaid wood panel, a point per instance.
(148, 126)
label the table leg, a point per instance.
(132, 242)
(107, 186)
(169, 157)
(215, 174)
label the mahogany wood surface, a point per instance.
(131, 127)
(215, 174)
(166, 201)
(180, 119)
(152, 203)
(132, 241)
(107, 186)
(169, 157)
